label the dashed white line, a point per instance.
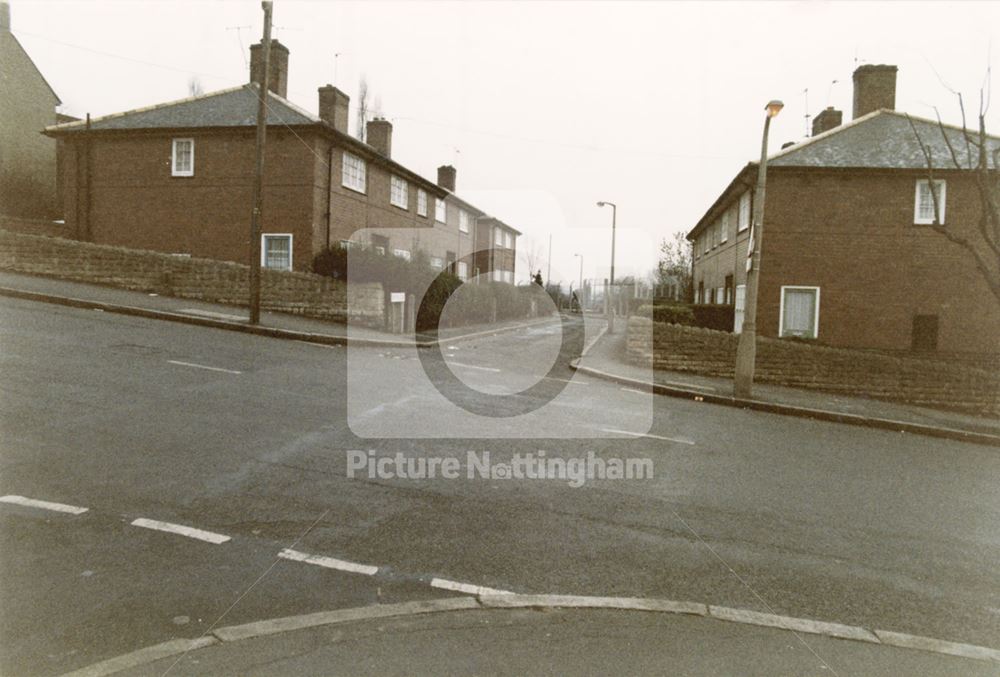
(203, 366)
(180, 530)
(328, 562)
(635, 390)
(565, 380)
(467, 588)
(472, 366)
(44, 505)
(679, 440)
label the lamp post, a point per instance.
(746, 349)
(580, 289)
(611, 285)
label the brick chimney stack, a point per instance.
(334, 106)
(446, 177)
(874, 88)
(379, 136)
(827, 120)
(277, 79)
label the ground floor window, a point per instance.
(799, 312)
(276, 251)
(462, 270)
(739, 306)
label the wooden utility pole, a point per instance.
(258, 186)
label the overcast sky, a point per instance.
(544, 108)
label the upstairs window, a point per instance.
(398, 195)
(497, 237)
(923, 209)
(508, 241)
(402, 253)
(724, 233)
(421, 202)
(440, 211)
(743, 218)
(353, 173)
(463, 220)
(182, 158)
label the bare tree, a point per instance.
(674, 267)
(531, 254)
(362, 118)
(974, 155)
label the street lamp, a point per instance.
(746, 349)
(611, 305)
(581, 282)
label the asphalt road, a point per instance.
(248, 437)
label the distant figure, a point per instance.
(574, 303)
(537, 279)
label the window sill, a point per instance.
(353, 189)
(405, 209)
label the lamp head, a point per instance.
(774, 107)
(600, 204)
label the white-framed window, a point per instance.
(707, 240)
(437, 263)
(379, 249)
(498, 276)
(182, 158)
(276, 251)
(923, 208)
(508, 240)
(743, 215)
(347, 244)
(421, 202)
(402, 253)
(508, 276)
(720, 295)
(440, 211)
(724, 233)
(739, 306)
(353, 173)
(497, 237)
(463, 220)
(398, 193)
(799, 311)
(462, 270)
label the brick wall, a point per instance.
(203, 279)
(928, 383)
(35, 226)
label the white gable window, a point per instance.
(508, 241)
(182, 158)
(923, 208)
(398, 194)
(743, 218)
(276, 251)
(421, 202)
(463, 220)
(497, 237)
(440, 211)
(724, 233)
(799, 312)
(353, 173)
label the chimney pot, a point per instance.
(446, 177)
(379, 136)
(334, 107)
(874, 88)
(827, 120)
(277, 78)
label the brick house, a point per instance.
(178, 177)
(848, 257)
(27, 158)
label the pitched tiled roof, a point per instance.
(883, 139)
(236, 107)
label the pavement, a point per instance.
(514, 635)
(604, 358)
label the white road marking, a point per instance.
(635, 390)
(565, 380)
(467, 588)
(472, 366)
(318, 345)
(209, 313)
(180, 530)
(44, 505)
(204, 366)
(679, 440)
(328, 562)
